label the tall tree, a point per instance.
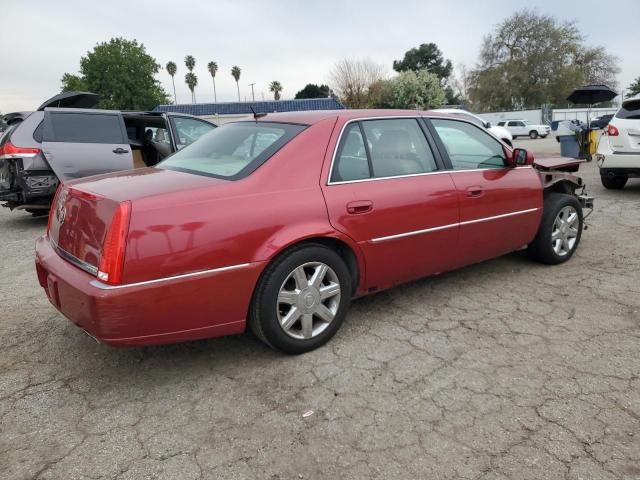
(276, 88)
(191, 80)
(190, 62)
(351, 80)
(532, 59)
(122, 73)
(235, 73)
(311, 90)
(426, 57)
(171, 70)
(634, 88)
(213, 69)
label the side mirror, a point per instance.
(520, 157)
(487, 124)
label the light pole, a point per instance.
(252, 94)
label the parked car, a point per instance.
(522, 128)
(601, 122)
(60, 144)
(278, 223)
(618, 154)
(501, 132)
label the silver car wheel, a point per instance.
(308, 300)
(565, 231)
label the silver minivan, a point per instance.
(39, 149)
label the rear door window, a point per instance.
(83, 128)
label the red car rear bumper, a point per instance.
(188, 308)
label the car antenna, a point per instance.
(256, 116)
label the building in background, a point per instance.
(227, 112)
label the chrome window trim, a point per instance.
(416, 117)
(81, 264)
(452, 225)
(104, 286)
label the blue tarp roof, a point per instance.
(241, 108)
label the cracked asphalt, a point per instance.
(502, 370)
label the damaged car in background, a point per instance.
(66, 138)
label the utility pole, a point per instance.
(252, 94)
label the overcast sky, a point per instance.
(295, 42)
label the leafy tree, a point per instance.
(634, 88)
(426, 57)
(419, 90)
(235, 73)
(190, 62)
(213, 69)
(276, 88)
(311, 90)
(532, 59)
(73, 83)
(351, 80)
(191, 80)
(171, 70)
(122, 73)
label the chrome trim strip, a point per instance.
(81, 264)
(417, 117)
(104, 286)
(495, 217)
(452, 225)
(416, 232)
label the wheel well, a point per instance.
(563, 186)
(341, 248)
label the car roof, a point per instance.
(312, 117)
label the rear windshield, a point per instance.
(631, 110)
(234, 150)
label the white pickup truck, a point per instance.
(522, 128)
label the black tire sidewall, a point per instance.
(541, 247)
(533, 134)
(267, 294)
(613, 183)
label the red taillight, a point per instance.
(9, 150)
(612, 131)
(115, 245)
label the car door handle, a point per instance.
(120, 151)
(360, 206)
(475, 191)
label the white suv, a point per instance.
(618, 155)
(522, 128)
(500, 132)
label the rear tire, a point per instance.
(533, 134)
(559, 231)
(614, 183)
(301, 299)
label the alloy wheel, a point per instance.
(565, 231)
(308, 300)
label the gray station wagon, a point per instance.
(60, 143)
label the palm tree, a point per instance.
(172, 69)
(191, 80)
(213, 68)
(235, 73)
(190, 62)
(276, 88)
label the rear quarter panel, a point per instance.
(248, 220)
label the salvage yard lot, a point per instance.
(505, 369)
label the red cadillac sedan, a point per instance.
(276, 224)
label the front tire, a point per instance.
(613, 183)
(559, 231)
(533, 134)
(301, 299)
